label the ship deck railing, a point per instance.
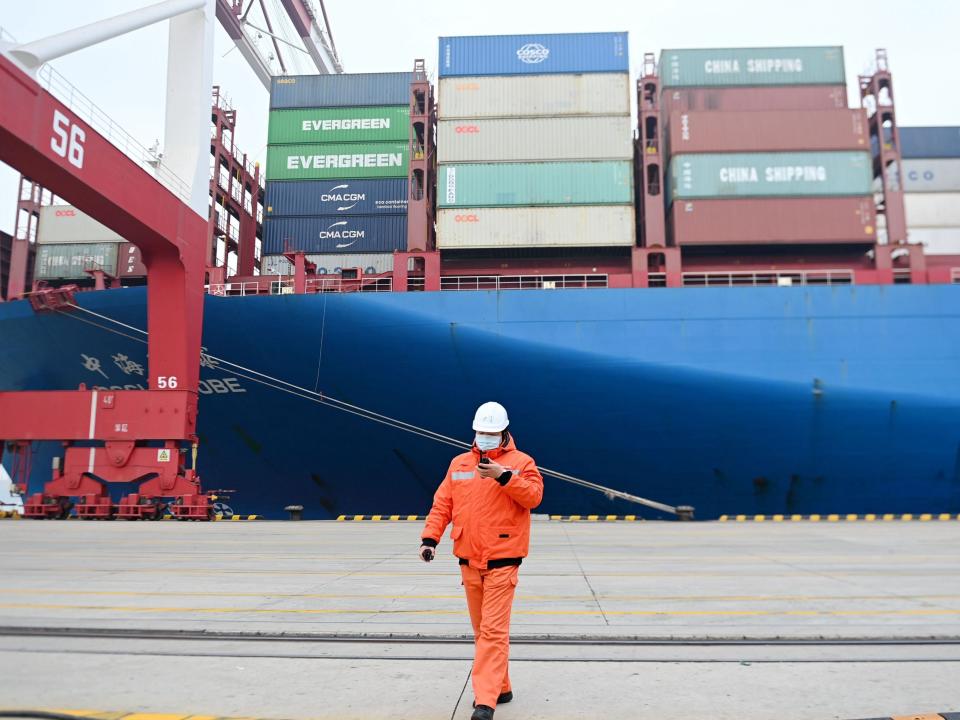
(738, 278)
(521, 282)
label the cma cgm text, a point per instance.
(759, 65)
(789, 173)
(369, 160)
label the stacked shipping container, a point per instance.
(534, 142)
(931, 181)
(337, 162)
(761, 148)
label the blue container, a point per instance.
(930, 142)
(335, 233)
(533, 54)
(318, 91)
(336, 197)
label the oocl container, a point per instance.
(552, 183)
(70, 261)
(752, 66)
(331, 234)
(324, 161)
(536, 227)
(930, 142)
(532, 139)
(369, 263)
(769, 174)
(61, 224)
(933, 175)
(346, 90)
(336, 197)
(932, 209)
(534, 95)
(322, 125)
(794, 97)
(533, 54)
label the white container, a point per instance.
(534, 95)
(369, 263)
(536, 227)
(932, 209)
(535, 139)
(937, 241)
(931, 175)
(60, 224)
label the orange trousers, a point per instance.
(490, 599)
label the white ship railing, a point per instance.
(755, 278)
(521, 282)
(339, 285)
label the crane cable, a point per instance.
(323, 399)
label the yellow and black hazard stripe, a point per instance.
(380, 518)
(9, 515)
(596, 518)
(835, 517)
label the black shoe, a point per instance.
(482, 712)
(502, 698)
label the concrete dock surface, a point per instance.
(614, 620)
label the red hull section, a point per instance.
(801, 97)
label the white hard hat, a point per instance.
(491, 417)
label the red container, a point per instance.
(129, 262)
(774, 221)
(771, 131)
(800, 97)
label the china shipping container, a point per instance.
(336, 197)
(533, 139)
(347, 90)
(795, 97)
(533, 54)
(130, 262)
(369, 263)
(769, 174)
(773, 220)
(335, 233)
(767, 131)
(534, 96)
(937, 241)
(724, 67)
(329, 160)
(536, 227)
(930, 142)
(70, 261)
(554, 183)
(931, 175)
(61, 224)
(932, 209)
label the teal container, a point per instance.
(323, 125)
(325, 161)
(524, 184)
(745, 175)
(726, 67)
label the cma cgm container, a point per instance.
(930, 142)
(533, 139)
(932, 209)
(69, 262)
(552, 183)
(752, 66)
(536, 227)
(794, 97)
(535, 95)
(324, 125)
(774, 220)
(769, 174)
(65, 224)
(774, 131)
(533, 54)
(336, 197)
(369, 263)
(333, 233)
(348, 90)
(937, 241)
(931, 175)
(319, 162)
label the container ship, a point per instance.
(739, 294)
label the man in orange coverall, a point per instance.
(488, 493)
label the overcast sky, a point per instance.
(126, 76)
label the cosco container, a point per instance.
(65, 224)
(752, 66)
(536, 227)
(72, 260)
(933, 175)
(332, 233)
(347, 90)
(369, 263)
(930, 142)
(336, 197)
(533, 54)
(732, 221)
(320, 162)
(932, 209)
(532, 139)
(937, 241)
(534, 96)
(794, 97)
(505, 184)
(769, 175)
(767, 131)
(322, 125)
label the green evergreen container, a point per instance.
(349, 124)
(322, 161)
(550, 183)
(741, 175)
(725, 67)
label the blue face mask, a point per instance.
(487, 442)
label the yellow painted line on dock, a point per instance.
(836, 517)
(380, 518)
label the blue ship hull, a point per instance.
(733, 400)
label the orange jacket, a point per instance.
(490, 521)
